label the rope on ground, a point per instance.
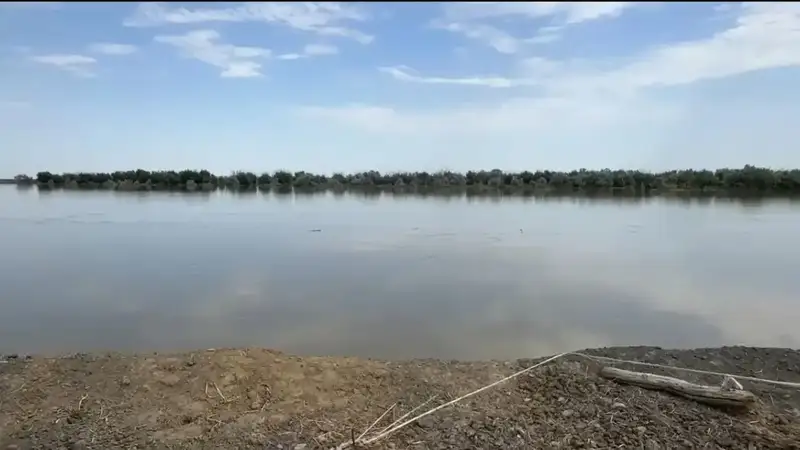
(392, 428)
(452, 402)
(684, 369)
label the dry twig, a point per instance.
(219, 392)
(80, 402)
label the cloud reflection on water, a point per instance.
(408, 278)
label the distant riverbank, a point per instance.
(257, 398)
(748, 180)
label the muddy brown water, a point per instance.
(392, 277)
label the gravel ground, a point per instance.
(262, 399)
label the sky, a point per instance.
(328, 86)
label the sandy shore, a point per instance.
(257, 398)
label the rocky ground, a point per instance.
(255, 398)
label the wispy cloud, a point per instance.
(108, 48)
(494, 37)
(320, 50)
(323, 18)
(203, 45)
(763, 36)
(404, 73)
(309, 51)
(79, 65)
(473, 20)
(562, 12)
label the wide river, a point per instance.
(393, 277)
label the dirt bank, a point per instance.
(255, 398)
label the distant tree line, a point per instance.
(747, 179)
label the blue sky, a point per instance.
(398, 86)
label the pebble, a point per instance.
(567, 413)
(426, 422)
(618, 405)
(652, 445)
(641, 430)
(126, 381)
(170, 380)
(300, 447)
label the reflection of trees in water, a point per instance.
(466, 300)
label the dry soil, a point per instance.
(262, 399)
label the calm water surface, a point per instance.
(392, 277)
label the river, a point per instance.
(393, 276)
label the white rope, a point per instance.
(683, 369)
(400, 419)
(443, 405)
(391, 429)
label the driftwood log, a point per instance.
(711, 395)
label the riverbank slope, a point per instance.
(257, 398)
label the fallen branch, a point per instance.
(721, 396)
(711, 395)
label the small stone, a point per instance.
(255, 439)
(170, 380)
(652, 445)
(125, 381)
(561, 399)
(77, 445)
(300, 447)
(641, 430)
(426, 422)
(618, 405)
(567, 413)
